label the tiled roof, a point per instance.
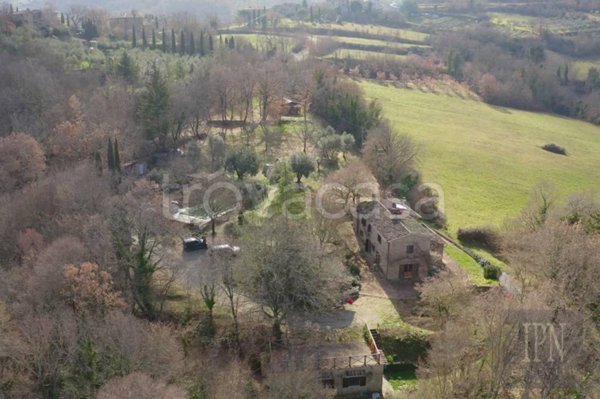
(390, 226)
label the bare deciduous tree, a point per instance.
(389, 155)
(22, 161)
(140, 386)
(351, 181)
(287, 273)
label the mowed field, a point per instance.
(488, 159)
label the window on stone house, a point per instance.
(354, 382)
(369, 228)
(410, 249)
(354, 378)
(379, 238)
(328, 382)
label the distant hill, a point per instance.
(224, 9)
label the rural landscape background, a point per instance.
(167, 170)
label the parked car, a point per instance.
(194, 244)
(224, 249)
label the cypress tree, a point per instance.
(164, 41)
(62, 16)
(182, 43)
(153, 39)
(98, 162)
(173, 41)
(231, 43)
(201, 44)
(144, 41)
(211, 46)
(117, 157)
(133, 39)
(192, 45)
(156, 22)
(220, 40)
(68, 21)
(110, 156)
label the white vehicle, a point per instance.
(224, 249)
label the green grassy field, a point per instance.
(352, 27)
(473, 269)
(262, 42)
(368, 42)
(582, 66)
(361, 55)
(488, 159)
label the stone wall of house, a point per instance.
(393, 265)
(372, 376)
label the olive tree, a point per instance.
(302, 165)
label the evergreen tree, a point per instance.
(68, 21)
(173, 42)
(156, 22)
(98, 162)
(62, 16)
(117, 157)
(182, 43)
(211, 46)
(164, 41)
(220, 41)
(192, 45)
(11, 10)
(201, 44)
(153, 39)
(110, 155)
(144, 41)
(231, 43)
(154, 109)
(90, 31)
(133, 39)
(566, 73)
(127, 68)
(558, 73)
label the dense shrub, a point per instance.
(554, 148)
(404, 346)
(483, 237)
(352, 266)
(492, 272)
(232, 230)
(342, 105)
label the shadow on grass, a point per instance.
(401, 376)
(498, 108)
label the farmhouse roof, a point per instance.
(392, 219)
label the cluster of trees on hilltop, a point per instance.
(519, 73)
(364, 12)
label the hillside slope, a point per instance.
(488, 159)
